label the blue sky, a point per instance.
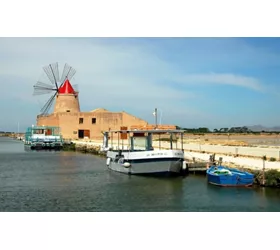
(194, 82)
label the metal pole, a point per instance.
(118, 141)
(156, 116)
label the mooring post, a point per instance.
(263, 175)
(220, 161)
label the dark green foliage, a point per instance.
(83, 149)
(69, 147)
(165, 139)
(272, 177)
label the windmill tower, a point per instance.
(64, 94)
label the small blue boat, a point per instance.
(229, 177)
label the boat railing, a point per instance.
(142, 140)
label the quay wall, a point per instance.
(198, 162)
(251, 158)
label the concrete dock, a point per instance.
(251, 159)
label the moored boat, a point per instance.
(229, 177)
(43, 137)
(135, 154)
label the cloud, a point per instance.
(223, 79)
(111, 75)
(134, 76)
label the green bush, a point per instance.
(69, 147)
(272, 159)
(166, 139)
(271, 177)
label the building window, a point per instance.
(68, 110)
(81, 120)
(93, 120)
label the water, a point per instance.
(69, 181)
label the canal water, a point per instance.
(70, 181)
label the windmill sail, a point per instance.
(52, 73)
(48, 105)
(68, 73)
(41, 88)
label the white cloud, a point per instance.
(112, 75)
(109, 75)
(224, 79)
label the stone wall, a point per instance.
(93, 123)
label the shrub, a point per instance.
(272, 177)
(165, 139)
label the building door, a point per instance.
(81, 133)
(87, 133)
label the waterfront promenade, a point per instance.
(240, 156)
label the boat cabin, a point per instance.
(43, 136)
(142, 140)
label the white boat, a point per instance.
(43, 137)
(134, 152)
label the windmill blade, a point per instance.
(41, 88)
(68, 73)
(52, 73)
(48, 104)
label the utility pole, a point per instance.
(155, 114)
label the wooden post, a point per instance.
(263, 173)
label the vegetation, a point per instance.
(272, 177)
(69, 147)
(84, 149)
(166, 139)
(232, 130)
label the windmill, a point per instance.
(56, 82)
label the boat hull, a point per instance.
(29, 147)
(235, 179)
(154, 163)
(153, 167)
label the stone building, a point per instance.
(75, 124)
